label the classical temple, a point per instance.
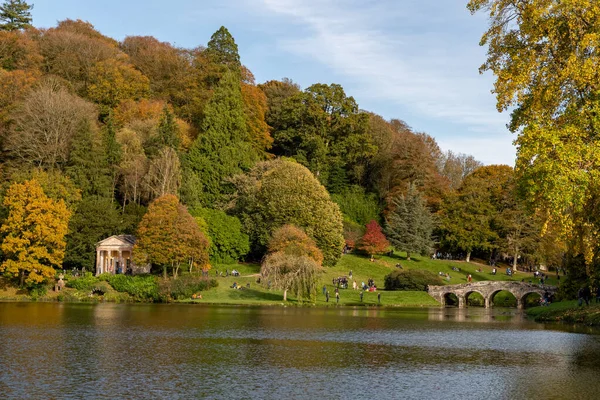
(113, 255)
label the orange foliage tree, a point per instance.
(34, 233)
(292, 240)
(169, 236)
(373, 241)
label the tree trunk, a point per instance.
(515, 259)
(285, 295)
(468, 259)
(22, 280)
(165, 271)
(175, 270)
(408, 256)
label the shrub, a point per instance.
(85, 283)
(411, 280)
(183, 287)
(140, 287)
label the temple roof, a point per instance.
(115, 239)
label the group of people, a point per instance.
(234, 272)
(585, 294)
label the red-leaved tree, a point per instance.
(373, 241)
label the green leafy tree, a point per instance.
(322, 128)
(279, 192)
(168, 131)
(222, 148)
(468, 217)
(33, 233)
(112, 149)
(87, 165)
(96, 218)
(356, 205)
(544, 55)
(228, 243)
(14, 15)
(409, 225)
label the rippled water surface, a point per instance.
(188, 351)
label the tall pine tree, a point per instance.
(14, 15)
(409, 226)
(222, 149)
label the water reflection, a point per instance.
(183, 351)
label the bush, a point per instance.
(140, 287)
(183, 287)
(411, 280)
(85, 283)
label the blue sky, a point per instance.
(416, 60)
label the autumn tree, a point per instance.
(279, 192)
(168, 236)
(255, 109)
(133, 166)
(112, 81)
(73, 49)
(33, 234)
(457, 166)
(15, 15)
(373, 241)
(545, 57)
(46, 124)
(409, 225)
(293, 262)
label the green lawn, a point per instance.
(362, 269)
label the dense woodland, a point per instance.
(101, 137)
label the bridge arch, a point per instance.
(488, 289)
(495, 292)
(469, 293)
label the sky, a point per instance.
(415, 60)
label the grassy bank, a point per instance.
(568, 312)
(256, 294)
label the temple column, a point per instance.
(98, 263)
(121, 261)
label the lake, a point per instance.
(110, 351)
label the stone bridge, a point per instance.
(488, 289)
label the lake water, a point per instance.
(113, 351)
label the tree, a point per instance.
(34, 233)
(222, 50)
(228, 242)
(294, 241)
(112, 81)
(322, 127)
(15, 14)
(168, 131)
(169, 236)
(468, 216)
(545, 57)
(222, 148)
(164, 174)
(96, 218)
(279, 192)
(46, 124)
(373, 241)
(293, 262)
(409, 225)
(255, 109)
(456, 167)
(356, 205)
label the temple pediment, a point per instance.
(117, 241)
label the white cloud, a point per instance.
(397, 53)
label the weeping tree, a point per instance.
(293, 263)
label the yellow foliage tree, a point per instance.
(34, 233)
